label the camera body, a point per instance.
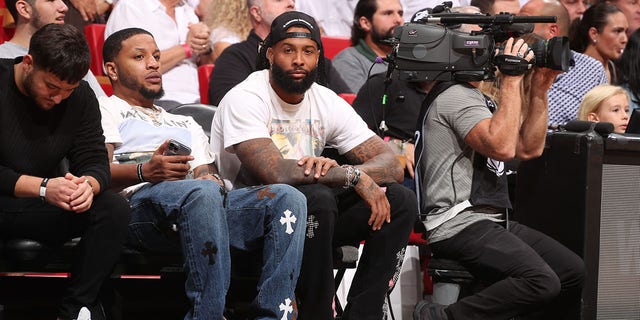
(433, 48)
(435, 52)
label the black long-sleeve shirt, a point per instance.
(34, 141)
(238, 61)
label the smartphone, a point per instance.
(175, 148)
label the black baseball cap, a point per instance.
(290, 19)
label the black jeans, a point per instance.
(337, 217)
(532, 275)
(103, 229)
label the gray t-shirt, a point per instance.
(354, 67)
(10, 50)
(448, 162)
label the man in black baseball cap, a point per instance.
(273, 128)
(280, 30)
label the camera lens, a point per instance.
(553, 53)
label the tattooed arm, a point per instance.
(265, 162)
(377, 162)
(263, 159)
(376, 159)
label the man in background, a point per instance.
(566, 92)
(497, 6)
(374, 21)
(31, 15)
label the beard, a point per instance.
(27, 84)
(284, 81)
(36, 20)
(378, 37)
(129, 82)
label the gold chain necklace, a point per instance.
(152, 113)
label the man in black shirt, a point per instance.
(48, 114)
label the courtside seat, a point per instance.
(94, 33)
(2, 36)
(201, 113)
(30, 256)
(348, 97)
(105, 83)
(204, 75)
(333, 45)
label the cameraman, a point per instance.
(466, 201)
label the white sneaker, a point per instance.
(84, 314)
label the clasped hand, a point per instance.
(70, 193)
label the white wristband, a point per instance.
(43, 188)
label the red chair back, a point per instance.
(105, 83)
(348, 97)
(95, 38)
(2, 39)
(204, 74)
(333, 45)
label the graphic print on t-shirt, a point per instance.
(141, 137)
(297, 138)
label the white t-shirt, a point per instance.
(223, 34)
(410, 7)
(136, 136)
(180, 83)
(335, 17)
(253, 110)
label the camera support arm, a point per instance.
(498, 19)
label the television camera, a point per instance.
(431, 48)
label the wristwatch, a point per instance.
(43, 188)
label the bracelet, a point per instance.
(43, 188)
(140, 176)
(356, 177)
(352, 176)
(187, 50)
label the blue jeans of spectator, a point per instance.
(196, 207)
(246, 219)
(532, 275)
(273, 219)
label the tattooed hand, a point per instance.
(320, 165)
(377, 200)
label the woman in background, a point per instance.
(228, 21)
(629, 69)
(601, 34)
(606, 103)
